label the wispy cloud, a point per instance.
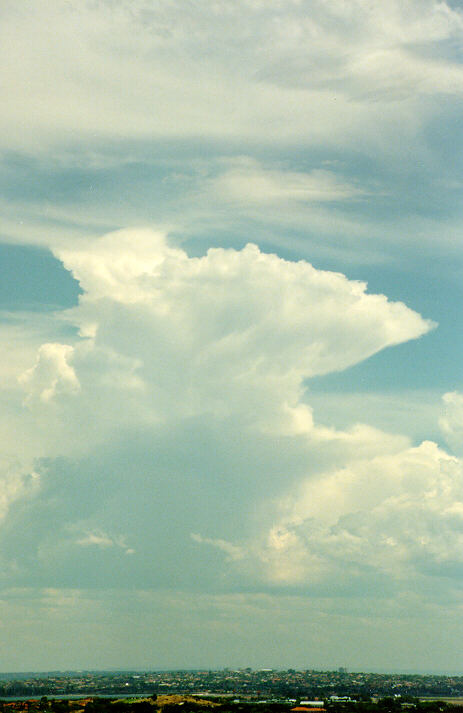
(101, 539)
(233, 552)
(249, 82)
(245, 181)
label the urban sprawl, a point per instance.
(290, 686)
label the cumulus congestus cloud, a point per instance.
(176, 423)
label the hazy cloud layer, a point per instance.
(261, 59)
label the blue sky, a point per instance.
(231, 329)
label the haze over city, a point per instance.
(231, 373)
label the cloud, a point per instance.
(375, 52)
(101, 539)
(451, 420)
(229, 332)
(287, 85)
(17, 481)
(269, 71)
(201, 630)
(179, 410)
(246, 181)
(232, 551)
(397, 516)
(232, 331)
(98, 539)
(52, 373)
(170, 415)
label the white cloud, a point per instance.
(246, 181)
(165, 337)
(180, 409)
(95, 538)
(269, 70)
(390, 522)
(380, 52)
(398, 515)
(17, 480)
(233, 552)
(387, 410)
(189, 374)
(230, 332)
(451, 420)
(102, 539)
(52, 374)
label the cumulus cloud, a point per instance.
(232, 329)
(17, 480)
(398, 515)
(52, 373)
(178, 414)
(229, 330)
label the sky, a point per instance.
(231, 377)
